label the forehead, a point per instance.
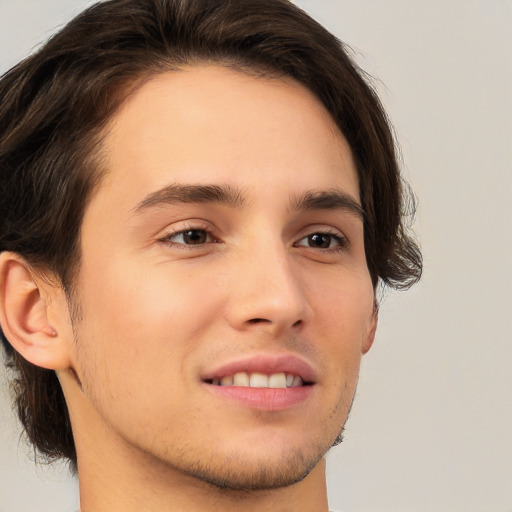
(210, 124)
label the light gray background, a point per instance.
(431, 428)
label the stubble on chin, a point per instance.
(238, 476)
(236, 473)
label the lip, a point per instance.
(264, 363)
(263, 399)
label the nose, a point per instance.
(268, 293)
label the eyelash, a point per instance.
(200, 228)
(333, 234)
(342, 241)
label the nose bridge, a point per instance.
(268, 289)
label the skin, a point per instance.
(155, 314)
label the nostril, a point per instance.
(264, 320)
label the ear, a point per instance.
(24, 303)
(367, 344)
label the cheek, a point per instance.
(136, 339)
(139, 322)
(344, 311)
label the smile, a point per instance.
(265, 382)
(279, 380)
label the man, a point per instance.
(200, 198)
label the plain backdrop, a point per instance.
(432, 424)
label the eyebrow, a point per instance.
(332, 199)
(172, 194)
(232, 197)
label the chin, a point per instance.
(254, 466)
(239, 474)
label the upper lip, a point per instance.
(264, 363)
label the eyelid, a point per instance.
(165, 238)
(343, 241)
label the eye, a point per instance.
(189, 237)
(322, 241)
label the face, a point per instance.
(224, 295)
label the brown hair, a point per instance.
(55, 103)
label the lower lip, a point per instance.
(264, 399)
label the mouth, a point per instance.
(263, 382)
(279, 380)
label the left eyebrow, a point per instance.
(328, 200)
(173, 194)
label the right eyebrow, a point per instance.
(172, 194)
(332, 199)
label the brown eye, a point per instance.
(190, 237)
(195, 236)
(321, 241)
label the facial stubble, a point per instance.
(232, 473)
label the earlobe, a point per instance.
(367, 344)
(24, 315)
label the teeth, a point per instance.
(241, 379)
(297, 381)
(277, 380)
(226, 381)
(260, 380)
